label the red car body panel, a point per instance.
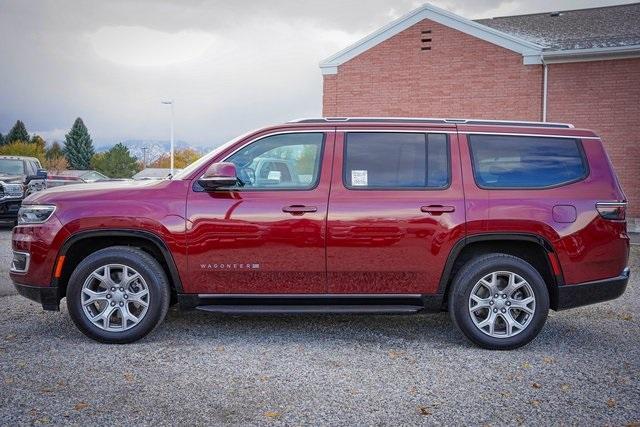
(356, 242)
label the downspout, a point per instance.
(545, 74)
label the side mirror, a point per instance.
(40, 174)
(219, 175)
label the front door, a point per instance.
(267, 235)
(395, 211)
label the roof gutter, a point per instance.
(592, 54)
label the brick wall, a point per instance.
(462, 76)
(603, 96)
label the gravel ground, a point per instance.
(199, 368)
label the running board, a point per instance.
(311, 303)
(311, 309)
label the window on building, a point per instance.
(286, 161)
(396, 161)
(503, 161)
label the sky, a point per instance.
(229, 66)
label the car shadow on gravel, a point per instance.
(433, 330)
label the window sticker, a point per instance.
(359, 178)
(274, 175)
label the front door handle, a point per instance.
(299, 209)
(437, 209)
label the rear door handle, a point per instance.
(437, 209)
(299, 209)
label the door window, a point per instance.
(279, 162)
(396, 161)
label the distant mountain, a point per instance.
(155, 149)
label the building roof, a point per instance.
(609, 32)
(598, 27)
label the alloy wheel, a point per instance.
(115, 297)
(502, 304)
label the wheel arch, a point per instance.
(533, 248)
(81, 244)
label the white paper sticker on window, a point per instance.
(274, 175)
(359, 178)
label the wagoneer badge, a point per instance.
(229, 266)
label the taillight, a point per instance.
(612, 210)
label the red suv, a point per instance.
(494, 221)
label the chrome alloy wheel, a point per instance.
(115, 297)
(502, 304)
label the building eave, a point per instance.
(530, 52)
(591, 54)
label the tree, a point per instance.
(23, 148)
(17, 133)
(55, 164)
(181, 158)
(55, 150)
(116, 163)
(1, 139)
(78, 147)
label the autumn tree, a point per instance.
(23, 148)
(181, 158)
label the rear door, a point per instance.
(396, 209)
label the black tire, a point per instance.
(464, 282)
(151, 272)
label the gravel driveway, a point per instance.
(199, 368)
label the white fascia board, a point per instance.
(592, 54)
(441, 16)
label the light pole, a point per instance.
(170, 102)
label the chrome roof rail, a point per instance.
(432, 120)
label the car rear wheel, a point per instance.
(499, 301)
(118, 295)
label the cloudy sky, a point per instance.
(230, 66)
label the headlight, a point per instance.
(35, 214)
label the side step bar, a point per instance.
(311, 303)
(311, 309)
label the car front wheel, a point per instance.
(118, 295)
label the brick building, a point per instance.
(579, 66)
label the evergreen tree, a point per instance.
(1, 139)
(17, 133)
(116, 163)
(54, 151)
(78, 147)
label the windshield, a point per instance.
(11, 167)
(184, 173)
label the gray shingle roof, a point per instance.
(599, 27)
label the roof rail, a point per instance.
(431, 120)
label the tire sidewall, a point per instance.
(156, 283)
(465, 283)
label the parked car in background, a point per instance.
(19, 176)
(154, 173)
(84, 175)
(495, 221)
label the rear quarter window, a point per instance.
(529, 162)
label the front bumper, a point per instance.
(570, 296)
(49, 296)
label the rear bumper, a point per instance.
(49, 297)
(570, 296)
